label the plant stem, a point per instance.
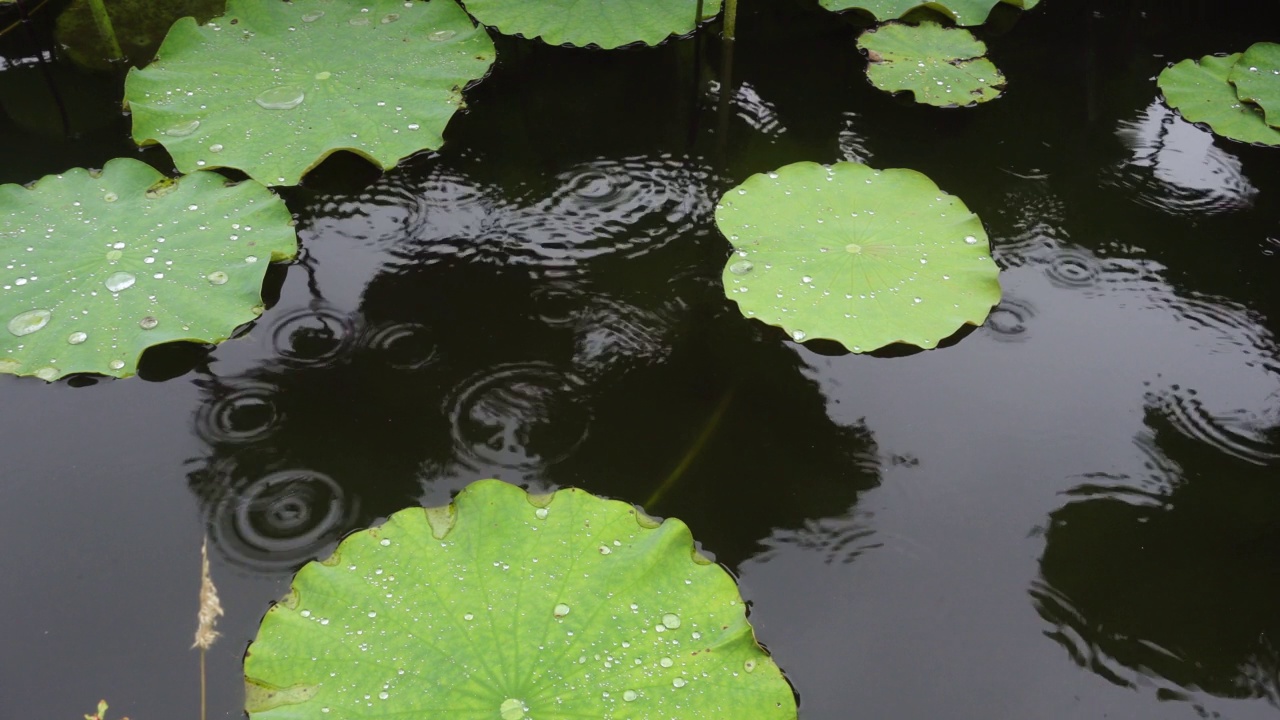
(202, 702)
(44, 67)
(730, 18)
(708, 429)
(103, 21)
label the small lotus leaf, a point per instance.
(939, 66)
(98, 269)
(507, 606)
(607, 23)
(272, 88)
(860, 256)
(1256, 76)
(963, 12)
(1201, 93)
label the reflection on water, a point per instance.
(1178, 168)
(1177, 587)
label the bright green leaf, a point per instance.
(1201, 93)
(607, 23)
(504, 605)
(98, 269)
(963, 12)
(938, 66)
(272, 88)
(863, 257)
(1256, 76)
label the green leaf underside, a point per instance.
(272, 88)
(509, 606)
(606, 23)
(1201, 93)
(938, 66)
(120, 266)
(963, 12)
(1256, 76)
(860, 256)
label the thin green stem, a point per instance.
(730, 19)
(708, 429)
(108, 32)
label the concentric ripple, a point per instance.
(518, 416)
(1177, 168)
(279, 519)
(1073, 268)
(243, 412)
(312, 336)
(1241, 433)
(404, 345)
(1008, 320)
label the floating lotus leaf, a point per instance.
(1201, 93)
(98, 269)
(939, 66)
(963, 12)
(507, 606)
(860, 256)
(272, 88)
(1256, 76)
(607, 23)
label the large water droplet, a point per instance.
(671, 620)
(749, 666)
(678, 682)
(798, 335)
(541, 513)
(148, 323)
(110, 197)
(217, 277)
(120, 281)
(970, 240)
(666, 662)
(853, 248)
(46, 374)
(512, 709)
(560, 610)
(76, 338)
(441, 35)
(629, 695)
(742, 267)
(116, 364)
(282, 97)
(182, 129)
(313, 16)
(114, 255)
(29, 322)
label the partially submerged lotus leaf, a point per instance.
(1201, 93)
(99, 268)
(272, 88)
(860, 256)
(513, 608)
(963, 12)
(938, 66)
(1256, 76)
(606, 23)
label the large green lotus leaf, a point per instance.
(1256, 76)
(97, 269)
(272, 88)
(863, 257)
(505, 606)
(963, 12)
(607, 23)
(1201, 93)
(938, 66)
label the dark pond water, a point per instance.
(1070, 512)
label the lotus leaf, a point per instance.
(1201, 93)
(272, 88)
(99, 268)
(1256, 76)
(506, 605)
(963, 12)
(939, 66)
(607, 23)
(860, 256)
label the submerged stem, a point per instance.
(730, 19)
(708, 429)
(105, 28)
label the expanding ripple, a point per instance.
(1073, 268)
(280, 519)
(242, 412)
(401, 345)
(1241, 433)
(311, 336)
(518, 416)
(1008, 320)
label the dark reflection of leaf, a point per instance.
(1177, 583)
(140, 26)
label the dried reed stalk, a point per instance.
(210, 611)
